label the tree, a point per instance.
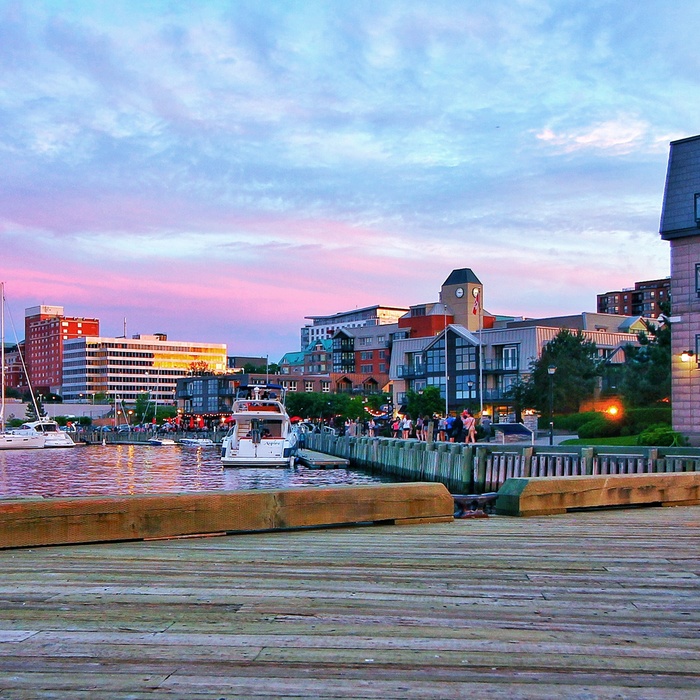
(424, 403)
(35, 408)
(646, 375)
(577, 367)
(143, 409)
(198, 368)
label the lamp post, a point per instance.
(470, 386)
(550, 371)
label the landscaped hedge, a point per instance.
(632, 422)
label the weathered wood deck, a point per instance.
(589, 605)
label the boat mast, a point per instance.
(2, 355)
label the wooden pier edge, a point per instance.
(35, 522)
(556, 495)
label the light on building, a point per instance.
(687, 355)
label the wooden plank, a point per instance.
(31, 522)
(556, 495)
(590, 605)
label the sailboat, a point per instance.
(9, 440)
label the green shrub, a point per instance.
(639, 419)
(661, 435)
(573, 421)
(600, 426)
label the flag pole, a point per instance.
(481, 355)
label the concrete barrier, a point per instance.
(554, 495)
(32, 522)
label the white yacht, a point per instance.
(10, 441)
(261, 433)
(48, 429)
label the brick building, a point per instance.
(680, 226)
(644, 299)
(46, 329)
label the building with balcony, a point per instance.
(323, 327)
(644, 299)
(127, 367)
(476, 370)
(364, 350)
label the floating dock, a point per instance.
(320, 460)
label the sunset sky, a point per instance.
(217, 171)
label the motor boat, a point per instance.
(196, 442)
(10, 441)
(161, 442)
(46, 428)
(261, 433)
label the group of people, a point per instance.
(452, 428)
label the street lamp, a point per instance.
(550, 371)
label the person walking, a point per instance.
(469, 427)
(406, 427)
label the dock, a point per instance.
(320, 460)
(600, 605)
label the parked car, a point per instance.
(124, 428)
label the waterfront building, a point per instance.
(475, 378)
(364, 351)
(46, 330)
(644, 299)
(127, 367)
(680, 226)
(322, 327)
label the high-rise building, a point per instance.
(126, 367)
(46, 329)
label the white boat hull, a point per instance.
(21, 442)
(266, 453)
(48, 430)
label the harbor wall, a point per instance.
(484, 468)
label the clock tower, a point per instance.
(463, 294)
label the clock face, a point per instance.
(459, 292)
(475, 291)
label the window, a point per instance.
(697, 279)
(366, 369)
(510, 357)
(366, 340)
(366, 355)
(435, 358)
(465, 386)
(308, 386)
(465, 355)
(325, 387)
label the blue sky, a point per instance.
(219, 170)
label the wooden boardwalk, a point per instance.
(594, 605)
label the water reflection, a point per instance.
(114, 470)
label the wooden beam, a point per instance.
(32, 522)
(555, 495)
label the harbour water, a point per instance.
(116, 470)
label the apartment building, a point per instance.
(644, 299)
(323, 327)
